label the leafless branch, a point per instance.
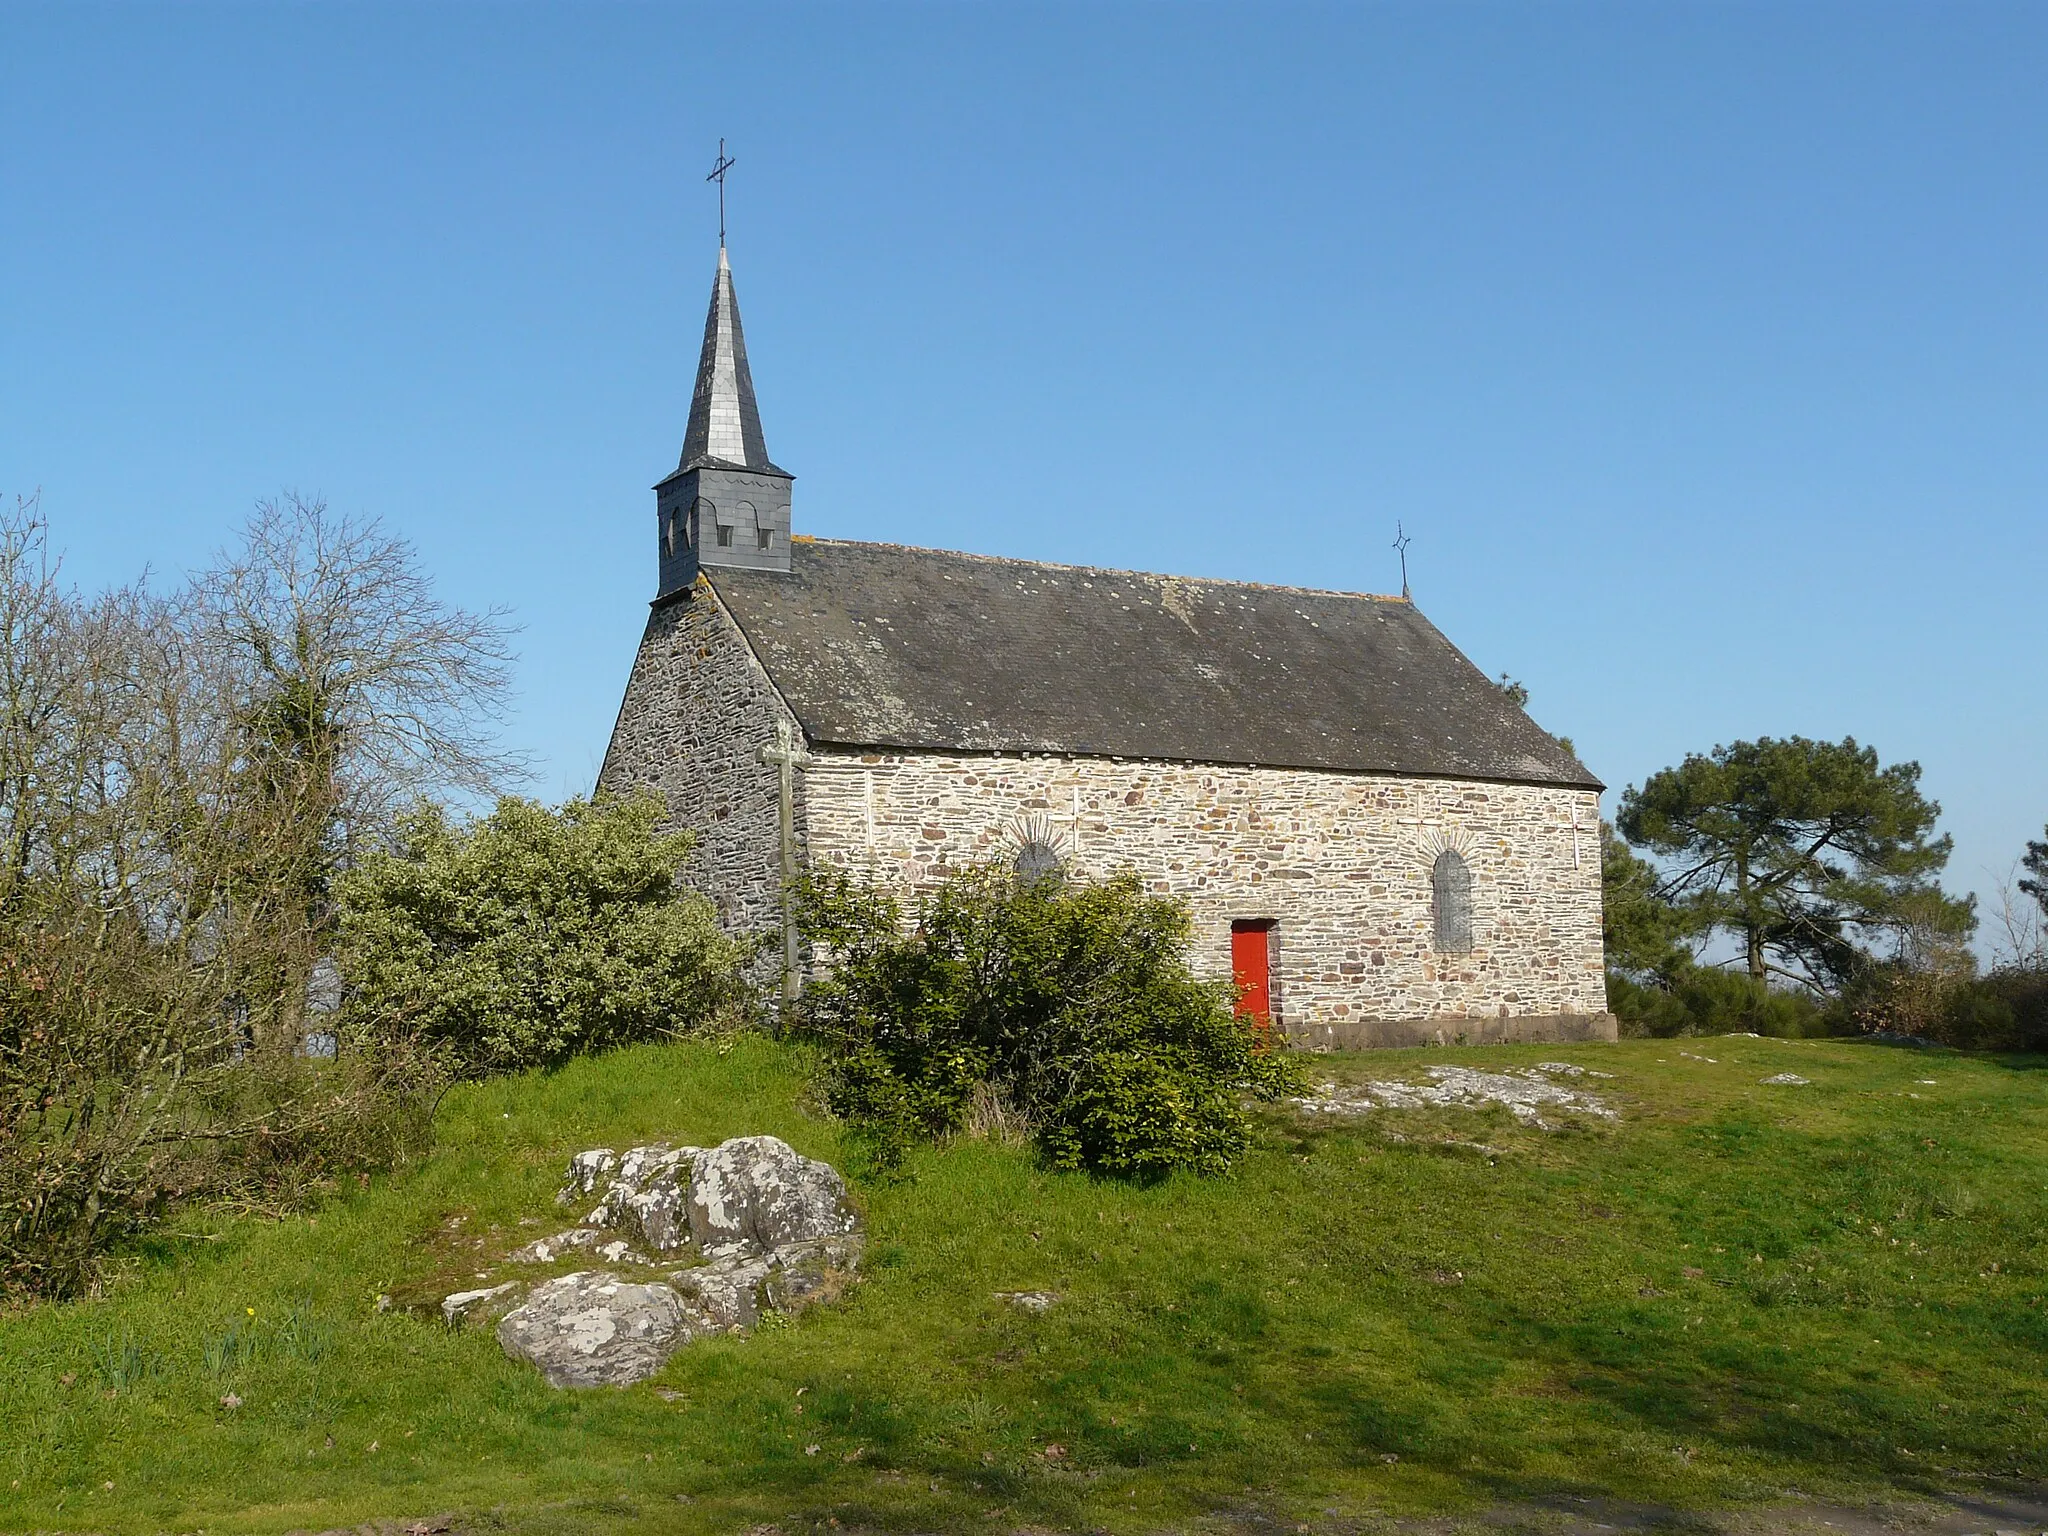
(2020, 925)
(179, 777)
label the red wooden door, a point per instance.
(1252, 967)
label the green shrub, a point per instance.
(2003, 1010)
(2023, 990)
(534, 935)
(1073, 1002)
(1705, 1000)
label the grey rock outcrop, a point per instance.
(587, 1170)
(759, 1192)
(545, 1250)
(1526, 1094)
(776, 1228)
(746, 1195)
(469, 1306)
(648, 1197)
(726, 1292)
(1030, 1301)
(594, 1329)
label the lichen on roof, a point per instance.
(886, 646)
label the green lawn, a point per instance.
(1734, 1291)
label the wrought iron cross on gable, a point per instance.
(788, 755)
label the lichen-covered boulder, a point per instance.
(594, 1329)
(587, 1170)
(755, 1193)
(777, 1229)
(480, 1305)
(545, 1250)
(727, 1291)
(649, 1196)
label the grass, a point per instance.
(1733, 1292)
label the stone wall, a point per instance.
(1339, 863)
(698, 711)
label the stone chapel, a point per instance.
(1377, 843)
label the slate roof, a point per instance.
(885, 646)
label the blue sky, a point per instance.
(1702, 350)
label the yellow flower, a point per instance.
(250, 1310)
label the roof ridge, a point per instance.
(1112, 570)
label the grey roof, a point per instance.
(879, 645)
(725, 423)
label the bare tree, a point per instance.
(357, 676)
(2019, 922)
(119, 949)
(180, 779)
(45, 697)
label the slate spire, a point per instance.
(725, 423)
(726, 503)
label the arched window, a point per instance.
(1450, 880)
(672, 530)
(1037, 860)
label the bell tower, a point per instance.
(727, 504)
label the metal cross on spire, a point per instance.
(725, 163)
(1401, 543)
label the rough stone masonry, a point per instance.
(1339, 863)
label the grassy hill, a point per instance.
(1732, 1291)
